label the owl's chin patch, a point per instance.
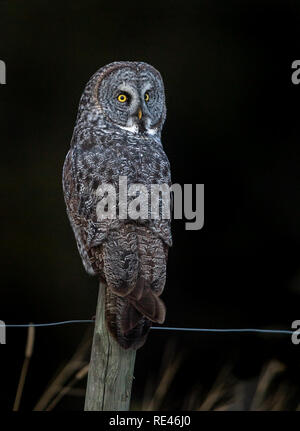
(151, 131)
(135, 129)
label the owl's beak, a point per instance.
(140, 119)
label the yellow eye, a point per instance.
(122, 98)
(147, 97)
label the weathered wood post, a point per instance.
(111, 367)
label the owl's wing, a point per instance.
(162, 228)
(80, 205)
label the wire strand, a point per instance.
(245, 330)
(41, 325)
(162, 328)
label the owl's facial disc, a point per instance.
(134, 103)
(132, 100)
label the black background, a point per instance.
(232, 124)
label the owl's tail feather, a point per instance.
(147, 302)
(126, 324)
(129, 318)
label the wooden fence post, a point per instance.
(111, 367)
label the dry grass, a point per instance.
(24, 371)
(69, 375)
(271, 390)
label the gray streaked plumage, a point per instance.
(110, 140)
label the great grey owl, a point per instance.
(118, 134)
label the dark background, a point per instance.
(232, 124)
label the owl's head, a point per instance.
(128, 95)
